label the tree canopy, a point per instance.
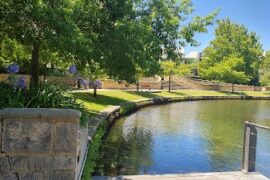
(233, 56)
(265, 69)
(118, 37)
(38, 24)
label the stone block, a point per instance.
(65, 137)
(0, 132)
(31, 176)
(61, 115)
(9, 177)
(21, 113)
(61, 175)
(94, 122)
(26, 136)
(4, 165)
(19, 163)
(52, 163)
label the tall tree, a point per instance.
(266, 61)
(171, 68)
(233, 40)
(130, 36)
(38, 24)
(265, 68)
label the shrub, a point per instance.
(45, 96)
(93, 154)
(127, 108)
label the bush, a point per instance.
(45, 96)
(127, 108)
(93, 154)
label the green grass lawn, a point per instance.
(116, 97)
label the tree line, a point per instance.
(125, 40)
(235, 55)
(121, 38)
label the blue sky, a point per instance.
(254, 14)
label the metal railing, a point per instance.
(249, 147)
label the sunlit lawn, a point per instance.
(116, 97)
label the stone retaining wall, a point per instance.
(67, 81)
(193, 84)
(38, 144)
(111, 84)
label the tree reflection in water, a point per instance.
(202, 136)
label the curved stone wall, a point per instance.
(112, 113)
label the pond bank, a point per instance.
(107, 117)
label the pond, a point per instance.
(185, 137)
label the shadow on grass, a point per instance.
(228, 93)
(178, 93)
(266, 93)
(144, 94)
(100, 99)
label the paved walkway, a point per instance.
(132, 90)
(237, 175)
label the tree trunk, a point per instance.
(137, 86)
(78, 83)
(232, 87)
(170, 77)
(95, 92)
(45, 74)
(35, 65)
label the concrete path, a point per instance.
(129, 90)
(237, 175)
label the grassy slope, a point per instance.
(116, 97)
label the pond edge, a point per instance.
(106, 118)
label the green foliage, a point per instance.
(39, 25)
(233, 41)
(93, 154)
(265, 78)
(265, 67)
(13, 52)
(266, 61)
(227, 70)
(119, 38)
(168, 68)
(173, 68)
(45, 96)
(127, 108)
(129, 37)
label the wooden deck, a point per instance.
(237, 175)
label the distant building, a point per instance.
(264, 53)
(196, 55)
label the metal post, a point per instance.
(249, 148)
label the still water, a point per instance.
(185, 137)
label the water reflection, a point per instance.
(202, 136)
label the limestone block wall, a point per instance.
(67, 81)
(111, 84)
(193, 84)
(38, 143)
